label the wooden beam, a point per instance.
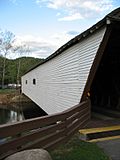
(96, 62)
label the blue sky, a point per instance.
(45, 25)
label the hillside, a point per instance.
(26, 63)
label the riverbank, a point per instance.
(7, 97)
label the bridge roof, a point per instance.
(113, 16)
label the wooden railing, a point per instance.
(44, 132)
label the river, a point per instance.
(19, 111)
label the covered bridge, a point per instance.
(88, 66)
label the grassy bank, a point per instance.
(76, 149)
(7, 91)
(8, 96)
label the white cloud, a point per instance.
(38, 46)
(58, 14)
(98, 6)
(56, 4)
(41, 48)
(63, 37)
(78, 9)
(75, 16)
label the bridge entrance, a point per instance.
(105, 88)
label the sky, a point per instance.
(46, 25)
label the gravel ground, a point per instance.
(111, 148)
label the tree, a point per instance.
(7, 39)
(20, 49)
(12, 67)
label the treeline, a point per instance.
(11, 68)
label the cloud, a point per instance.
(61, 38)
(38, 47)
(42, 48)
(77, 9)
(73, 33)
(75, 16)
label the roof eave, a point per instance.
(104, 22)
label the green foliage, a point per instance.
(76, 149)
(1, 67)
(12, 66)
(7, 91)
(7, 39)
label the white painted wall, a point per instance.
(60, 82)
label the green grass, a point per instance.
(7, 91)
(76, 149)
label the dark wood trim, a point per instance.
(96, 62)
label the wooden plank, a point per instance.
(36, 134)
(49, 146)
(19, 127)
(100, 129)
(77, 122)
(74, 130)
(76, 108)
(45, 132)
(26, 125)
(96, 62)
(46, 141)
(76, 116)
(55, 144)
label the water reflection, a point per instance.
(8, 114)
(19, 111)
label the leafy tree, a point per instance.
(20, 49)
(1, 68)
(6, 41)
(12, 67)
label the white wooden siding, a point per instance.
(60, 82)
